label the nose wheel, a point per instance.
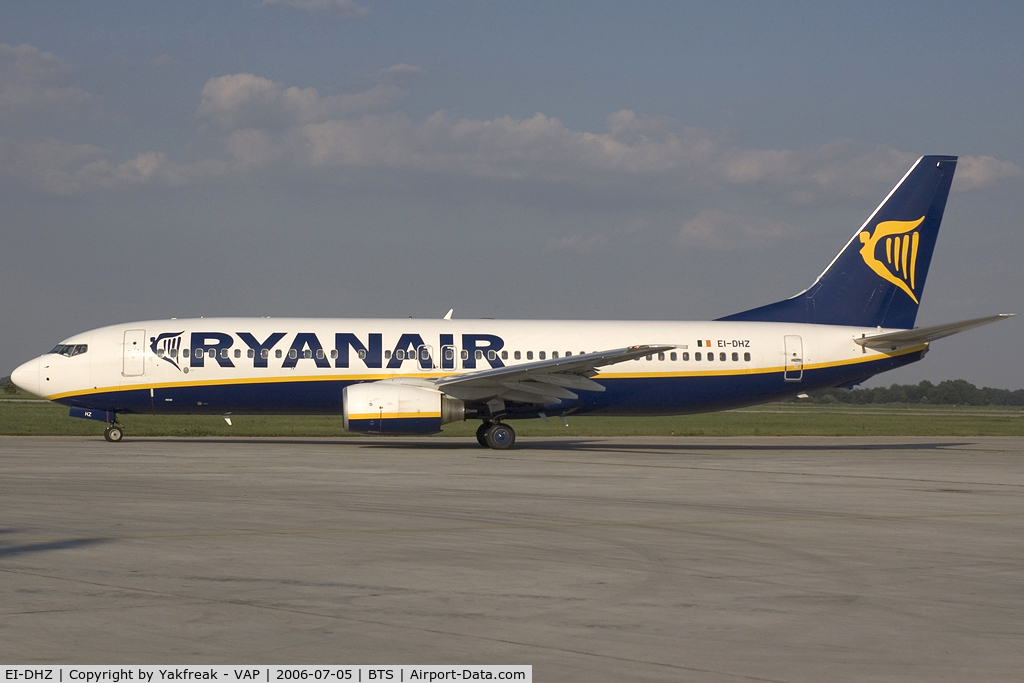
(113, 433)
(495, 435)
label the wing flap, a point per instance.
(542, 382)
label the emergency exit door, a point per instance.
(794, 371)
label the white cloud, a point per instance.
(540, 147)
(579, 244)
(67, 169)
(31, 86)
(398, 70)
(976, 172)
(588, 245)
(246, 100)
(346, 8)
(724, 230)
(261, 124)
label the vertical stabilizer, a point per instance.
(878, 278)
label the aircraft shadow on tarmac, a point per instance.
(46, 546)
(583, 444)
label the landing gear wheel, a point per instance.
(113, 434)
(500, 437)
(481, 433)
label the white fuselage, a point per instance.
(301, 365)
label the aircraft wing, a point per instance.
(542, 382)
(921, 335)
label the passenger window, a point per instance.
(542, 355)
(686, 355)
(198, 353)
(159, 353)
(735, 356)
(293, 354)
(661, 356)
(504, 355)
(648, 356)
(251, 354)
(400, 354)
(696, 356)
(223, 353)
(568, 353)
(554, 354)
(479, 354)
(264, 353)
(711, 355)
(334, 353)
(277, 353)
(721, 356)
(319, 354)
(387, 354)
(449, 354)
(185, 353)
(424, 353)
(517, 355)
(465, 354)
(746, 356)
(529, 355)
(174, 353)
(307, 353)
(491, 355)
(362, 354)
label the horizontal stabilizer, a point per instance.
(903, 338)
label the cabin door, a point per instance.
(134, 353)
(794, 358)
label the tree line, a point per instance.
(947, 392)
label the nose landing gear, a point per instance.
(495, 435)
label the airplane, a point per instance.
(408, 376)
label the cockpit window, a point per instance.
(70, 349)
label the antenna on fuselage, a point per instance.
(448, 315)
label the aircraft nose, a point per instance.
(26, 376)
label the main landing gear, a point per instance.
(495, 435)
(113, 433)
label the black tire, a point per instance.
(481, 434)
(113, 434)
(500, 437)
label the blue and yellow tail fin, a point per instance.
(877, 279)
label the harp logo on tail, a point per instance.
(892, 252)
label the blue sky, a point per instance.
(658, 160)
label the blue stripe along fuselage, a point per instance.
(658, 395)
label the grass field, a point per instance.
(19, 415)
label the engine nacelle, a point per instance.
(399, 407)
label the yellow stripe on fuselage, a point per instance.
(393, 416)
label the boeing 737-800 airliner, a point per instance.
(410, 376)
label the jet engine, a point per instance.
(399, 407)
